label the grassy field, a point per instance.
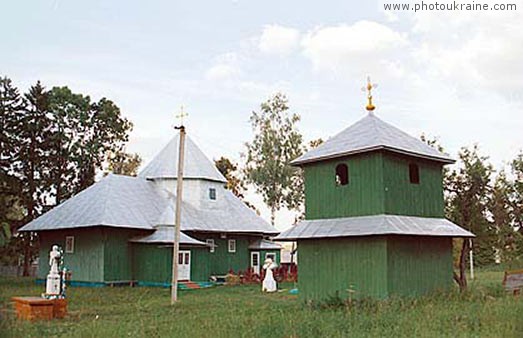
(243, 311)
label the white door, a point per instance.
(184, 265)
(255, 262)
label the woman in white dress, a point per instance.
(269, 284)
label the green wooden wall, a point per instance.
(87, 261)
(101, 254)
(378, 184)
(374, 266)
(404, 198)
(418, 265)
(153, 262)
(330, 267)
(117, 253)
(362, 196)
(221, 260)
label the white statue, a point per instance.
(53, 278)
(54, 260)
(269, 284)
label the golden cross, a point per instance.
(181, 115)
(368, 88)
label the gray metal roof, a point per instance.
(263, 244)
(133, 202)
(116, 201)
(196, 164)
(234, 216)
(166, 235)
(373, 225)
(369, 134)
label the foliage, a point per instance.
(230, 171)
(122, 163)
(52, 143)
(485, 310)
(468, 189)
(275, 144)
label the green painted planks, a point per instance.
(418, 265)
(404, 198)
(362, 196)
(117, 253)
(330, 267)
(152, 262)
(86, 262)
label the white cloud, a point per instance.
(365, 46)
(221, 72)
(279, 40)
(225, 68)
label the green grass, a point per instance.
(243, 311)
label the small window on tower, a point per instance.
(212, 193)
(342, 174)
(414, 173)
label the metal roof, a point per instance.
(263, 244)
(134, 202)
(116, 201)
(373, 225)
(369, 134)
(166, 235)
(196, 164)
(233, 216)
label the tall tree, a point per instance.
(468, 189)
(275, 144)
(84, 133)
(122, 163)
(503, 218)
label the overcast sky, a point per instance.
(457, 76)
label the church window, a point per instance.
(212, 193)
(232, 245)
(210, 243)
(69, 244)
(414, 173)
(342, 174)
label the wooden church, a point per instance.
(374, 216)
(121, 229)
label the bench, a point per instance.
(513, 281)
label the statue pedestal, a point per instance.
(36, 308)
(53, 284)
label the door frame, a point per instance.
(187, 267)
(256, 269)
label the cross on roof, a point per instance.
(181, 115)
(368, 88)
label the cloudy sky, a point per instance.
(457, 76)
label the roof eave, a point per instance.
(298, 162)
(296, 238)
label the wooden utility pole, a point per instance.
(178, 210)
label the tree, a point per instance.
(83, 134)
(508, 240)
(230, 171)
(122, 163)
(235, 183)
(276, 143)
(468, 189)
(516, 200)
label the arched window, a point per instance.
(342, 174)
(414, 173)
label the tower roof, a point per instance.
(196, 164)
(370, 134)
